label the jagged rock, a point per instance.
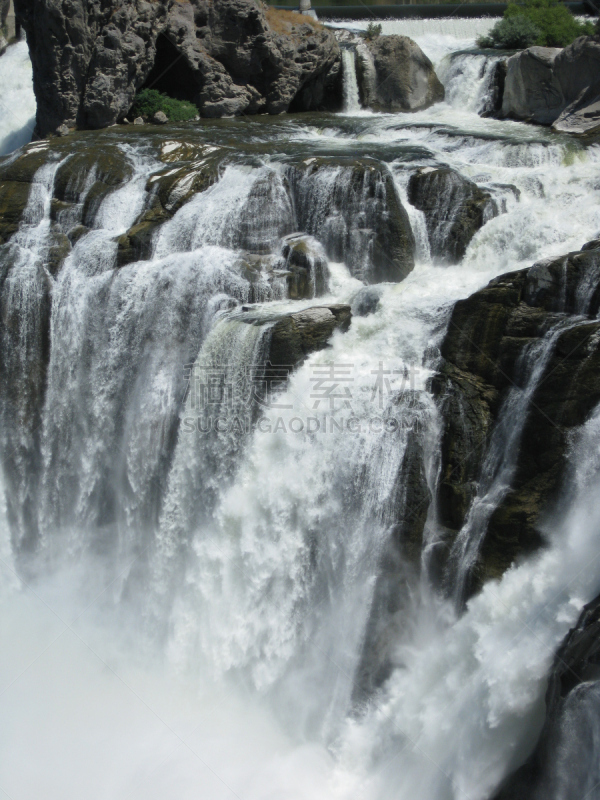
(556, 87)
(482, 352)
(88, 58)
(563, 763)
(229, 57)
(160, 118)
(359, 217)
(455, 209)
(394, 74)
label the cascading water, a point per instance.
(223, 591)
(351, 98)
(17, 120)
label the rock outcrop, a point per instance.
(572, 709)
(229, 57)
(394, 74)
(558, 87)
(488, 338)
(455, 208)
(296, 335)
(358, 217)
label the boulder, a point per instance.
(395, 75)
(228, 57)
(160, 118)
(455, 208)
(531, 90)
(556, 87)
(572, 707)
(482, 352)
(577, 69)
(296, 335)
(366, 301)
(359, 217)
(305, 265)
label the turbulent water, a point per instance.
(185, 609)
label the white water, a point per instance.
(241, 682)
(351, 99)
(17, 101)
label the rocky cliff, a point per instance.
(534, 331)
(228, 57)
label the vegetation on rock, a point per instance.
(550, 20)
(149, 101)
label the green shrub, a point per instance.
(556, 26)
(511, 33)
(373, 31)
(149, 101)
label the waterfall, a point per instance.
(18, 101)
(217, 567)
(351, 99)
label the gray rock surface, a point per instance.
(455, 209)
(556, 87)
(229, 57)
(394, 74)
(160, 118)
(295, 336)
(577, 69)
(3, 45)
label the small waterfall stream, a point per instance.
(218, 584)
(351, 98)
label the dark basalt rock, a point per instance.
(487, 335)
(295, 336)
(228, 57)
(394, 74)
(563, 764)
(359, 217)
(455, 209)
(493, 102)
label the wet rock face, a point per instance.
(296, 335)
(229, 57)
(395, 75)
(556, 87)
(488, 337)
(455, 209)
(354, 210)
(563, 763)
